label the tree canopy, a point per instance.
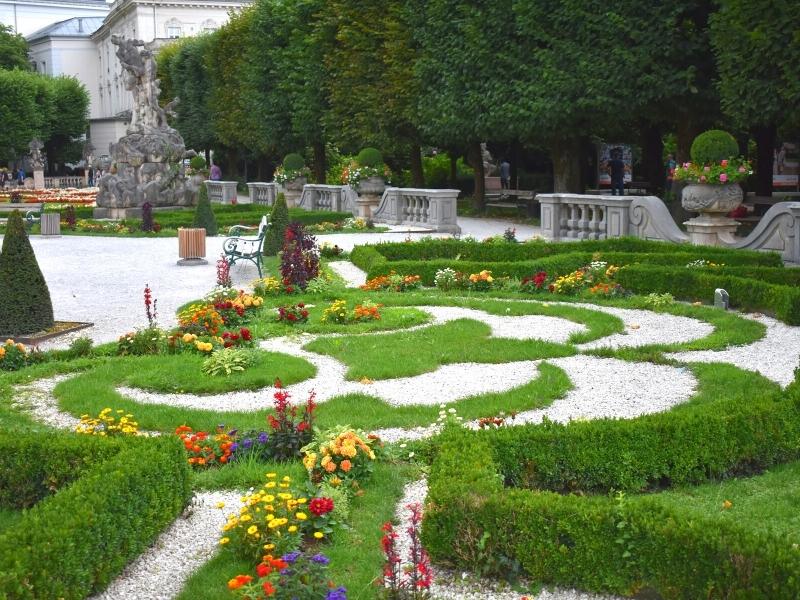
(13, 49)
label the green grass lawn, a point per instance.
(182, 373)
(8, 518)
(405, 354)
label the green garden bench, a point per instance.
(31, 210)
(238, 247)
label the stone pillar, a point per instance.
(551, 216)
(38, 179)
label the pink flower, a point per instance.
(702, 178)
(742, 169)
(723, 177)
(724, 163)
(706, 168)
(686, 165)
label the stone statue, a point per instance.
(149, 158)
(37, 160)
(489, 165)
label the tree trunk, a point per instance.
(476, 162)
(653, 156)
(417, 175)
(685, 134)
(567, 154)
(453, 169)
(765, 145)
(320, 161)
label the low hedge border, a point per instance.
(593, 543)
(622, 546)
(690, 284)
(431, 249)
(111, 507)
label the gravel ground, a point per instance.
(450, 585)
(36, 399)
(775, 356)
(161, 571)
(352, 275)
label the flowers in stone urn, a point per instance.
(713, 161)
(293, 168)
(197, 167)
(367, 165)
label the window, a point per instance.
(173, 31)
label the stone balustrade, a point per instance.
(74, 181)
(223, 192)
(778, 230)
(262, 193)
(322, 197)
(435, 209)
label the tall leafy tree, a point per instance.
(22, 96)
(757, 48)
(13, 49)
(67, 119)
(467, 62)
(190, 81)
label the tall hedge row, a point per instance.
(79, 538)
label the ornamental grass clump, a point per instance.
(227, 361)
(25, 305)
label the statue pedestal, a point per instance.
(38, 179)
(711, 230)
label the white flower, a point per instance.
(410, 455)
(403, 445)
(452, 411)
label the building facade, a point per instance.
(83, 49)
(28, 16)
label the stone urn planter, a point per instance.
(294, 189)
(369, 191)
(713, 201)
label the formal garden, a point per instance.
(444, 418)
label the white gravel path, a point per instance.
(602, 388)
(161, 571)
(36, 399)
(351, 274)
(449, 585)
(775, 356)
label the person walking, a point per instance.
(616, 169)
(505, 174)
(21, 176)
(671, 165)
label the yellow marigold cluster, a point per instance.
(108, 424)
(9, 345)
(335, 313)
(272, 520)
(568, 284)
(248, 301)
(202, 315)
(268, 285)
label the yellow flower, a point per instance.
(224, 541)
(292, 528)
(287, 478)
(274, 523)
(319, 535)
(270, 484)
(271, 475)
(220, 505)
(252, 530)
(301, 516)
(269, 546)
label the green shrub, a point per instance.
(293, 162)
(204, 214)
(227, 361)
(197, 162)
(712, 146)
(278, 222)
(629, 543)
(25, 305)
(369, 157)
(750, 294)
(72, 543)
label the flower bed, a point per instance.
(52, 196)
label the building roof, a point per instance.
(74, 27)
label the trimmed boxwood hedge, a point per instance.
(624, 545)
(112, 498)
(691, 284)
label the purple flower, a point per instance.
(321, 559)
(233, 432)
(234, 447)
(291, 557)
(338, 594)
(263, 437)
(247, 443)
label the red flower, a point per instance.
(320, 506)
(245, 333)
(269, 590)
(263, 570)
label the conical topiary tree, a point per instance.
(25, 305)
(203, 214)
(278, 222)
